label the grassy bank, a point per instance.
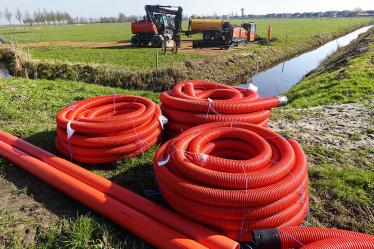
(345, 77)
(135, 68)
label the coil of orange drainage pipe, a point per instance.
(234, 178)
(197, 102)
(104, 129)
(310, 237)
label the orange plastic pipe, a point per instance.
(234, 178)
(193, 230)
(143, 226)
(196, 102)
(105, 129)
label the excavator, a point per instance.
(161, 27)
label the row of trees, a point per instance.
(37, 17)
(50, 17)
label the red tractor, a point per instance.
(161, 27)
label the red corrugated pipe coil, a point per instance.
(197, 102)
(107, 128)
(235, 178)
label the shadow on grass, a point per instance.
(51, 199)
(117, 47)
(136, 175)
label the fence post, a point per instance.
(28, 51)
(157, 60)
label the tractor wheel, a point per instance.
(135, 41)
(156, 42)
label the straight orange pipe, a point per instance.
(143, 226)
(177, 222)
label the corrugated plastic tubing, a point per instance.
(234, 177)
(297, 237)
(197, 102)
(312, 238)
(202, 235)
(108, 128)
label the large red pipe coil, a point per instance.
(202, 235)
(234, 177)
(197, 102)
(107, 128)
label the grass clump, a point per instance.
(86, 231)
(342, 197)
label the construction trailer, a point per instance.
(220, 33)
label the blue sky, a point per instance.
(95, 8)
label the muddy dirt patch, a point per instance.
(28, 206)
(343, 127)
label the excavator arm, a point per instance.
(153, 10)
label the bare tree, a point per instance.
(27, 18)
(49, 15)
(38, 17)
(8, 15)
(19, 16)
(67, 17)
(59, 16)
(45, 16)
(53, 17)
(121, 17)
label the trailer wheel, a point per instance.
(207, 36)
(156, 42)
(135, 41)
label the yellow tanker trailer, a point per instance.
(210, 28)
(216, 32)
(199, 25)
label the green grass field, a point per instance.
(295, 28)
(290, 32)
(130, 58)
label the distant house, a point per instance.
(327, 14)
(367, 13)
(331, 14)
